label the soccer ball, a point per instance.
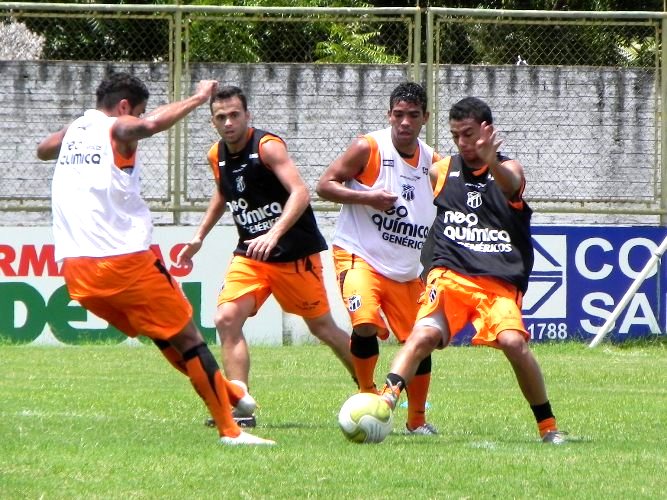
(365, 418)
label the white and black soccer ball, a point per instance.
(365, 418)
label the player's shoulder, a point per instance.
(271, 139)
(502, 158)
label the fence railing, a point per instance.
(577, 96)
(578, 101)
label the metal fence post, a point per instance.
(430, 90)
(661, 121)
(177, 129)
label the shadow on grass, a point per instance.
(292, 425)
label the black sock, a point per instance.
(394, 380)
(542, 412)
(364, 347)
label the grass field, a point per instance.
(118, 422)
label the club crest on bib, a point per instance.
(474, 199)
(240, 184)
(353, 303)
(407, 192)
(432, 294)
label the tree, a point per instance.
(286, 38)
(105, 37)
(240, 38)
(562, 43)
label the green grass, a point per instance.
(118, 422)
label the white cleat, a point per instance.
(245, 439)
(247, 404)
(425, 429)
(555, 437)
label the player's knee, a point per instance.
(202, 352)
(226, 322)
(364, 346)
(424, 340)
(366, 330)
(513, 344)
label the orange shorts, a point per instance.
(133, 292)
(298, 286)
(368, 295)
(491, 305)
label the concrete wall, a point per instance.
(582, 133)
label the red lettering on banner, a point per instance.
(155, 248)
(179, 272)
(7, 256)
(30, 259)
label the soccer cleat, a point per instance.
(425, 429)
(245, 439)
(241, 421)
(246, 406)
(244, 420)
(244, 410)
(390, 394)
(555, 437)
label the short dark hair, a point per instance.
(227, 92)
(408, 92)
(471, 107)
(118, 86)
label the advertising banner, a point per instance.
(580, 275)
(35, 306)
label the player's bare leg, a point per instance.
(525, 366)
(421, 343)
(229, 320)
(531, 382)
(328, 332)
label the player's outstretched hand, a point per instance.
(184, 258)
(488, 143)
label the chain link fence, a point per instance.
(576, 96)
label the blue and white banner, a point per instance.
(582, 273)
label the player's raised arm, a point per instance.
(508, 174)
(129, 128)
(49, 147)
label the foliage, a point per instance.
(568, 42)
(286, 38)
(250, 39)
(349, 44)
(107, 37)
(590, 5)
(639, 52)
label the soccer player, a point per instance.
(279, 245)
(480, 261)
(102, 230)
(382, 180)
